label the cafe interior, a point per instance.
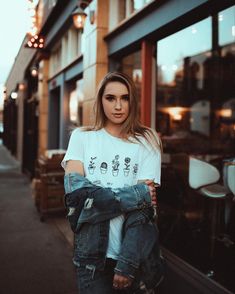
(195, 116)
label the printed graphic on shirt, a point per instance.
(91, 166)
(135, 170)
(127, 166)
(115, 166)
(103, 167)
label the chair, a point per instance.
(231, 178)
(229, 182)
(203, 177)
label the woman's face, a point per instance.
(115, 101)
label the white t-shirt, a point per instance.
(112, 162)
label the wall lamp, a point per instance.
(14, 95)
(79, 16)
(34, 71)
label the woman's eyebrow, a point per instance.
(113, 95)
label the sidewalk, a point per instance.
(35, 257)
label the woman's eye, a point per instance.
(110, 98)
(126, 97)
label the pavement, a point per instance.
(35, 256)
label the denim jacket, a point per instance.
(90, 209)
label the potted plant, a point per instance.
(115, 166)
(127, 166)
(103, 167)
(91, 166)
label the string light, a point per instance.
(34, 40)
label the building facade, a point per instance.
(181, 55)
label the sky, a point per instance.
(14, 23)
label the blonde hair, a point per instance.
(132, 126)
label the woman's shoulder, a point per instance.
(84, 132)
(150, 139)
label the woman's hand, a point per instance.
(121, 282)
(152, 191)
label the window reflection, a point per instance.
(226, 20)
(194, 87)
(131, 65)
(195, 115)
(76, 104)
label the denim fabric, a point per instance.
(89, 203)
(90, 209)
(140, 251)
(97, 282)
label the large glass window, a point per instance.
(76, 104)
(55, 60)
(225, 115)
(180, 93)
(131, 65)
(195, 116)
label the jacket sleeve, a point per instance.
(103, 203)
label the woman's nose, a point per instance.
(118, 104)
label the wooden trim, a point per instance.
(146, 89)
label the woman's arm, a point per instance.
(74, 166)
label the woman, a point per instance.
(120, 160)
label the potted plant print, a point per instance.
(91, 166)
(135, 170)
(103, 167)
(127, 166)
(115, 166)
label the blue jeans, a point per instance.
(101, 282)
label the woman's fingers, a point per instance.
(121, 282)
(152, 191)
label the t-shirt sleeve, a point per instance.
(75, 150)
(150, 164)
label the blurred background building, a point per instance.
(181, 55)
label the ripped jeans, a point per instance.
(101, 282)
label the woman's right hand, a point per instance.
(152, 191)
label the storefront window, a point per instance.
(123, 9)
(55, 60)
(76, 104)
(181, 78)
(226, 20)
(195, 116)
(225, 112)
(131, 65)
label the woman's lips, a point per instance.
(117, 115)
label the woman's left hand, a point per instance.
(121, 282)
(152, 191)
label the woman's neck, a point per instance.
(114, 130)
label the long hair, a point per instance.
(132, 126)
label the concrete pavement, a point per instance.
(35, 257)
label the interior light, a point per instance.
(226, 112)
